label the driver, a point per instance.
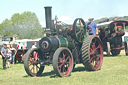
(92, 26)
(119, 31)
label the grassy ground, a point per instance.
(114, 71)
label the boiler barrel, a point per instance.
(47, 44)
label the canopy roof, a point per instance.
(104, 24)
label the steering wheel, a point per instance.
(79, 30)
(89, 28)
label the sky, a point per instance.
(66, 10)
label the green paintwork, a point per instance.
(64, 42)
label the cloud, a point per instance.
(66, 19)
(121, 15)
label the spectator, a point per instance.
(19, 46)
(34, 45)
(4, 54)
(14, 51)
(23, 47)
(12, 41)
(9, 55)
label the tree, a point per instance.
(27, 25)
(6, 28)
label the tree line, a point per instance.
(22, 26)
(111, 19)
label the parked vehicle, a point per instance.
(111, 34)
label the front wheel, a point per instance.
(32, 62)
(62, 62)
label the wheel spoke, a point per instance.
(93, 46)
(97, 62)
(68, 58)
(91, 59)
(90, 49)
(92, 62)
(77, 27)
(78, 33)
(95, 41)
(92, 52)
(36, 69)
(59, 66)
(37, 66)
(68, 62)
(64, 56)
(99, 56)
(30, 64)
(97, 47)
(63, 69)
(60, 60)
(80, 36)
(32, 68)
(29, 60)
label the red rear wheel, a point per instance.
(92, 53)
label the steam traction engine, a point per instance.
(63, 48)
(111, 36)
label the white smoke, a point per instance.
(65, 19)
(43, 24)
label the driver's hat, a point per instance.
(91, 18)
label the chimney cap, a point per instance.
(48, 7)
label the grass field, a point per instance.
(114, 71)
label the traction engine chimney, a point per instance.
(48, 17)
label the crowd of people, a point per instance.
(8, 53)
